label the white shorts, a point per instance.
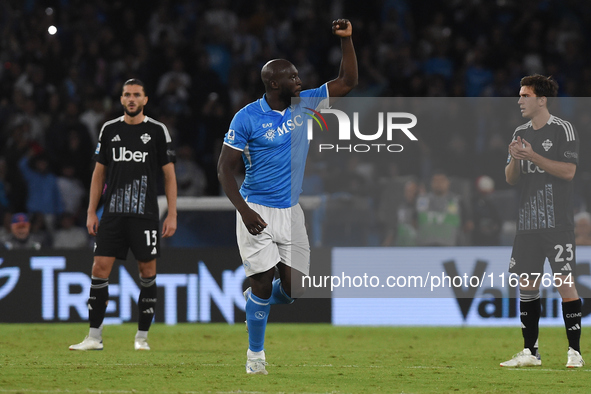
(283, 240)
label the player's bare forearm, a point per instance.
(96, 190)
(227, 171)
(522, 150)
(512, 172)
(96, 187)
(348, 72)
(170, 189)
(559, 169)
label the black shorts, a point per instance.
(117, 234)
(531, 250)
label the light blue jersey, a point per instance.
(274, 147)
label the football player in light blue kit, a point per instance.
(270, 137)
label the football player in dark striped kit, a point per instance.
(542, 162)
(132, 150)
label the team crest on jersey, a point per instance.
(270, 134)
(547, 145)
(145, 138)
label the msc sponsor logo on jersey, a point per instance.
(289, 125)
(527, 167)
(126, 155)
(284, 128)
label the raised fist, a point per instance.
(342, 28)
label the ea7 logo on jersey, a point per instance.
(127, 155)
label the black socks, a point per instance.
(147, 302)
(97, 302)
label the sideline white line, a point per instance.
(534, 369)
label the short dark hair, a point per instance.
(133, 81)
(543, 86)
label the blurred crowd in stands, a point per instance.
(201, 61)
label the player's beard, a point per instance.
(138, 111)
(287, 96)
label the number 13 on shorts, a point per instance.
(152, 237)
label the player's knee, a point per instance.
(568, 293)
(147, 272)
(101, 268)
(261, 290)
(147, 269)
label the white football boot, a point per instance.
(141, 344)
(89, 343)
(255, 363)
(575, 360)
(523, 359)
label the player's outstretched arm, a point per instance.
(227, 169)
(96, 190)
(170, 189)
(348, 75)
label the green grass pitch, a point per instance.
(303, 358)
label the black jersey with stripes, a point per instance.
(134, 156)
(546, 201)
